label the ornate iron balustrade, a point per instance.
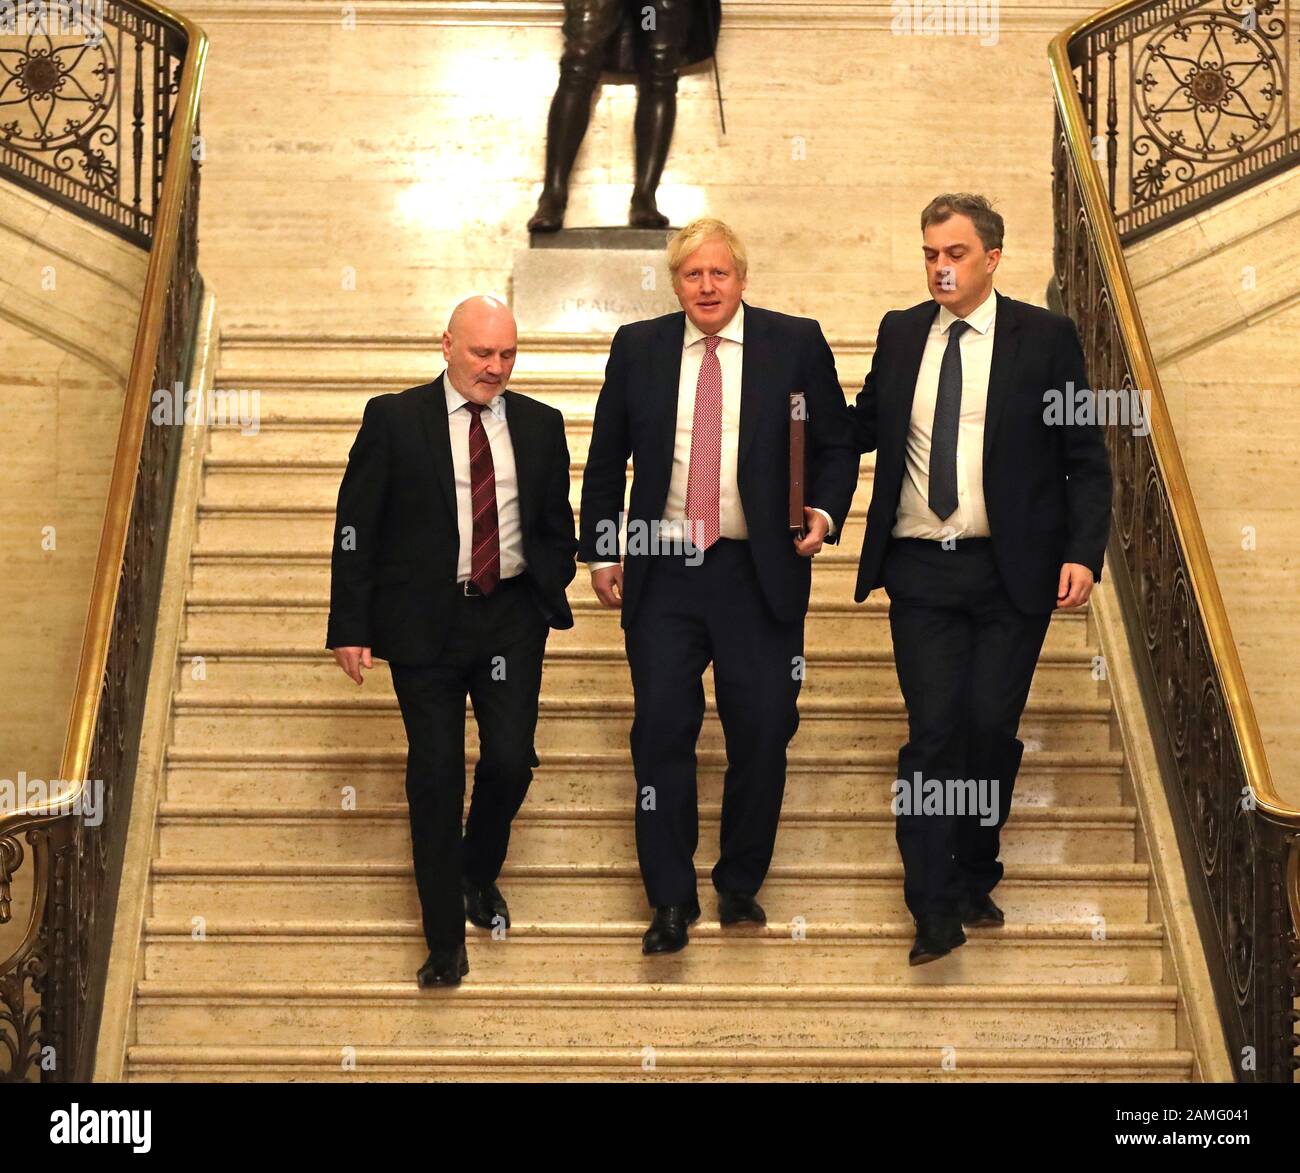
(51, 986)
(88, 89)
(1240, 841)
(1186, 102)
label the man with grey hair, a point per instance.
(987, 514)
(453, 545)
(700, 400)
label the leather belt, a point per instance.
(470, 591)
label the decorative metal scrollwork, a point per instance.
(1209, 105)
(1207, 89)
(52, 985)
(81, 109)
(1243, 869)
(56, 94)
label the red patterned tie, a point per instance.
(485, 561)
(702, 481)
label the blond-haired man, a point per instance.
(700, 400)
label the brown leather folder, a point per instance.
(798, 459)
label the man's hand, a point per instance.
(352, 660)
(1075, 586)
(815, 528)
(608, 585)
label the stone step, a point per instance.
(224, 625)
(406, 359)
(295, 532)
(223, 680)
(257, 950)
(243, 1064)
(296, 398)
(304, 581)
(588, 837)
(635, 1014)
(326, 444)
(306, 449)
(1040, 894)
(311, 489)
(598, 724)
(1080, 780)
(263, 579)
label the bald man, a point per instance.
(453, 545)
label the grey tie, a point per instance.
(943, 436)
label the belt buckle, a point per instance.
(470, 591)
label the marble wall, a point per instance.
(362, 178)
(69, 301)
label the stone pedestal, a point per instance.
(591, 280)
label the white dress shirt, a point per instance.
(915, 517)
(509, 529)
(730, 353)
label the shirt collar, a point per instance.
(980, 319)
(733, 330)
(455, 400)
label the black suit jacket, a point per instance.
(1047, 486)
(636, 415)
(394, 590)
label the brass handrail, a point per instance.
(1187, 521)
(48, 957)
(135, 408)
(139, 390)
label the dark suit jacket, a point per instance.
(395, 591)
(636, 415)
(1047, 487)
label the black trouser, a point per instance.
(687, 617)
(965, 658)
(494, 654)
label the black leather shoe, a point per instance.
(482, 905)
(734, 908)
(444, 968)
(977, 911)
(934, 939)
(667, 931)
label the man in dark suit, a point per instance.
(453, 546)
(988, 512)
(700, 401)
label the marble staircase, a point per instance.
(280, 923)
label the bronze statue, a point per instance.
(611, 36)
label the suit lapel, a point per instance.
(913, 350)
(755, 358)
(1006, 343)
(433, 412)
(665, 377)
(524, 449)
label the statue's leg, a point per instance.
(656, 110)
(588, 24)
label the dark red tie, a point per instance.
(485, 561)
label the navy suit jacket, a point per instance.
(636, 416)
